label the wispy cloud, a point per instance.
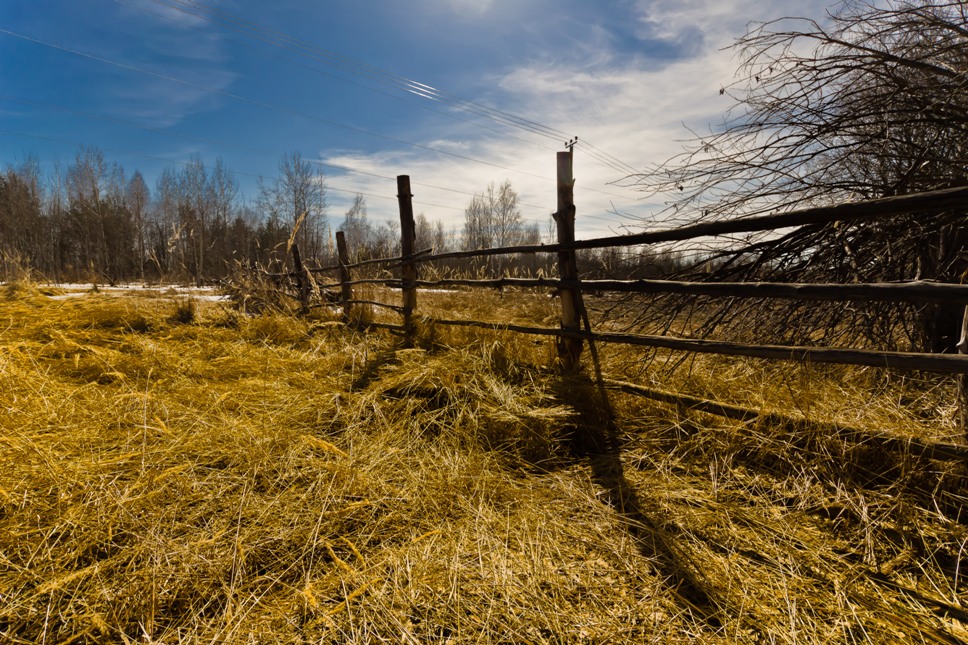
(470, 7)
(620, 98)
(173, 44)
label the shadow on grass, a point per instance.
(596, 440)
(372, 368)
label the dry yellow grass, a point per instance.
(224, 478)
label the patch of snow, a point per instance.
(76, 290)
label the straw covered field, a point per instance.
(174, 471)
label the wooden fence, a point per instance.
(574, 330)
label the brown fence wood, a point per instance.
(869, 209)
(393, 283)
(907, 445)
(916, 291)
(408, 268)
(302, 279)
(345, 288)
(936, 200)
(571, 287)
(521, 329)
(940, 363)
(963, 378)
(492, 283)
(375, 303)
(392, 262)
(569, 347)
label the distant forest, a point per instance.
(92, 222)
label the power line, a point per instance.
(350, 81)
(263, 104)
(168, 133)
(281, 40)
(279, 108)
(217, 142)
(608, 159)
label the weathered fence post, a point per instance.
(569, 349)
(346, 289)
(963, 378)
(302, 283)
(408, 269)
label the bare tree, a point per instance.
(21, 220)
(299, 190)
(195, 214)
(222, 195)
(872, 103)
(358, 230)
(166, 249)
(492, 218)
(98, 232)
(138, 199)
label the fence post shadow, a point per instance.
(596, 440)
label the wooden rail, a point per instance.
(393, 263)
(940, 363)
(936, 200)
(917, 291)
(568, 284)
(881, 439)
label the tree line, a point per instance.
(93, 222)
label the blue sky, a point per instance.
(153, 85)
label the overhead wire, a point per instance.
(273, 37)
(263, 104)
(278, 108)
(204, 12)
(423, 90)
(612, 160)
(352, 82)
(217, 142)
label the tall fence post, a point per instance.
(963, 378)
(569, 349)
(408, 270)
(302, 281)
(346, 289)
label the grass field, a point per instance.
(176, 472)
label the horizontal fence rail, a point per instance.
(575, 328)
(940, 363)
(871, 209)
(881, 439)
(392, 262)
(918, 291)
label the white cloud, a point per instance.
(179, 45)
(470, 7)
(625, 103)
(718, 22)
